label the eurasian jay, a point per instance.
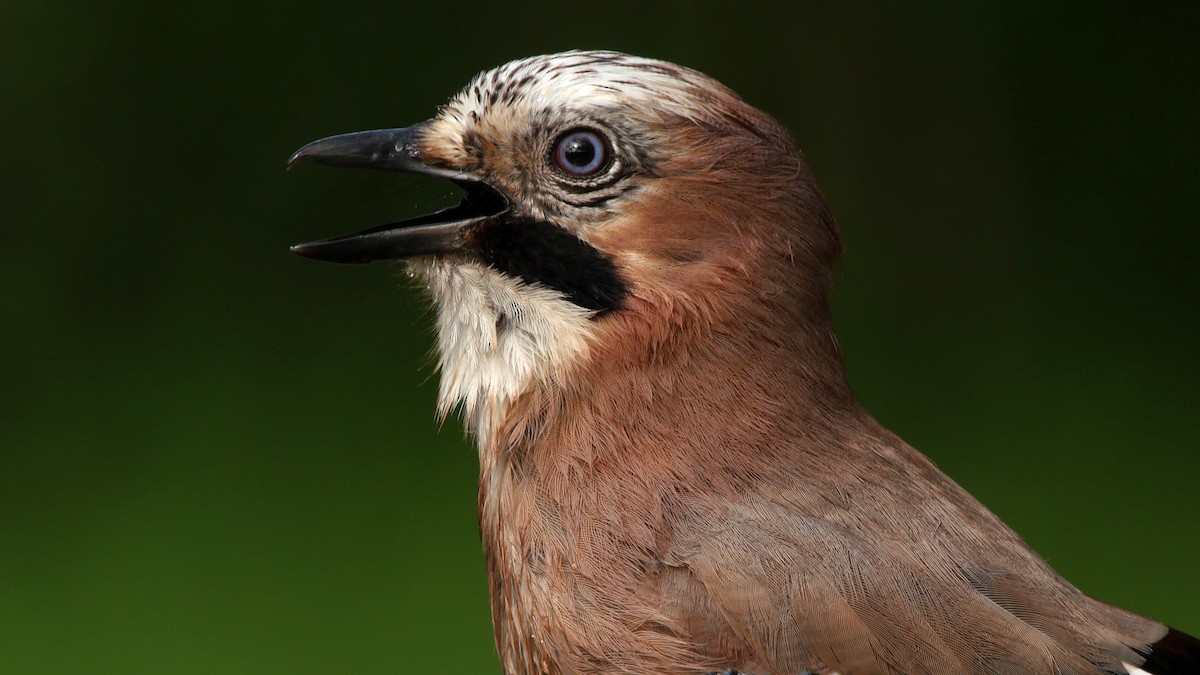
(675, 478)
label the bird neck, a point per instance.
(665, 376)
(712, 324)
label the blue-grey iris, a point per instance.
(581, 152)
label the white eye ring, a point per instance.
(581, 152)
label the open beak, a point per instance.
(446, 231)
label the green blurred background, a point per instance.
(216, 457)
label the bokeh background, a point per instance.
(216, 457)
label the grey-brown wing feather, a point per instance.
(803, 593)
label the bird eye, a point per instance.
(580, 152)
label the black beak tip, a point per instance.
(307, 250)
(297, 157)
(351, 249)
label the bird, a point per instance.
(633, 319)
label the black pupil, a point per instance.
(580, 151)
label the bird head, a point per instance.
(618, 209)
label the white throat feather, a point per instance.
(497, 337)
